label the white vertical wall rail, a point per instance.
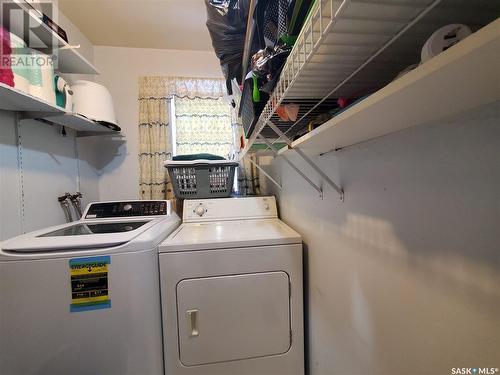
(20, 165)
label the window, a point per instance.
(200, 125)
(179, 115)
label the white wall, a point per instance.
(51, 165)
(48, 166)
(10, 200)
(403, 277)
(120, 70)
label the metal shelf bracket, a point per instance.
(307, 159)
(308, 180)
(265, 173)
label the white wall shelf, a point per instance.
(77, 122)
(69, 60)
(12, 99)
(461, 78)
(31, 107)
(112, 136)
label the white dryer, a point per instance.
(231, 290)
(83, 298)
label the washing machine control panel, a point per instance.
(127, 209)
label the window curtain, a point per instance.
(202, 125)
(155, 146)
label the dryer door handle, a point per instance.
(192, 321)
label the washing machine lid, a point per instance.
(229, 234)
(80, 235)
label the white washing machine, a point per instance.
(83, 298)
(231, 290)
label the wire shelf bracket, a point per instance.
(278, 185)
(307, 159)
(308, 180)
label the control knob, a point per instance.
(200, 210)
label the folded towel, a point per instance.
(197, 157)
(6, 75)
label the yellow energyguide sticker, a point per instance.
(89, 283)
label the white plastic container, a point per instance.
(444, 38)
(93, 101)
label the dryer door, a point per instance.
(233, 317)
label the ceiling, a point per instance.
(162, 24)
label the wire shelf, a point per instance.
(353, 48)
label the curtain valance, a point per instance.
(156, 87)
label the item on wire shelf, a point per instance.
(275, 22)
(258, 60)
(222, 6)
(201, 178)
(271, 21)
(279, 21)
(300, 12)
(444, 38)
(253, 101)
(314, 123)
(94, 101)
(288, 112)
(319, 120)
(343, 104)
(268, 63)
(259, 83)
(408, 69)
(227, 30)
